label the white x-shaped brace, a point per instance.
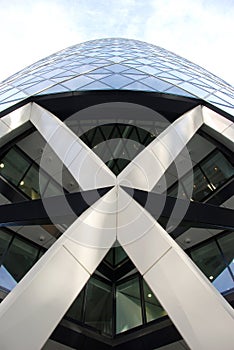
(36, 305)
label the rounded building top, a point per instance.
(116, 64)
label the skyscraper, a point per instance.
(116, 176)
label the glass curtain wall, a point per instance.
(215, 258)
(17, 256)
(208, 175)
(17, 168)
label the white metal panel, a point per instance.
(161, 153)
(147, 249)
(172, 141)
(17, 117)
(215, 120)
(62, 139)
(139, 173)
(188, 124)
(138, 232)
(36, 305)
(132, 220)
(202, 316)
(4, 129)
(91, 236)
(44, 121)
(90, 171)
(229, 132)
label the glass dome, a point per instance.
(116, 64)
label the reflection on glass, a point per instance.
(110, 257)
(206, 177)
(98, 312)
(75, 311)
(227, 245)
(6, 280)
(128, 305)
(153, 308)
(30, 183)
(115, 256)
(19, 258)
(224, 281)
(5, 238)
(120, 255)
(13, 166)
(209, 259)
(217, 169)
(201, 187)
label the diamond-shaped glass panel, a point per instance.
(116, 81)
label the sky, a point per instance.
(199, 30)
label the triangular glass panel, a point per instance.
(138, 86)
(149, 69)
(117, 59)
(194, 89)
(100, 71)
(97, 85)
(8, 104)
(58, 80)
(64, 75)
(54, 89)
(180, 75)
(171, 81)
(75, 83)
(38, 87)
(19, 95)
(82, 69)
(215, 99)
(117, 144)
(157, 84)
(134, 71)
(31, 82)
(53, 73)
(135, 76)
(224, 97)
(8, 94)
(26, 80)
(117, 68)
(116, 81)
(177, 91)
(144, 60)
(97, 76)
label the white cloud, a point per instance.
(195, 30)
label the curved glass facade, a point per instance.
(116, 64)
